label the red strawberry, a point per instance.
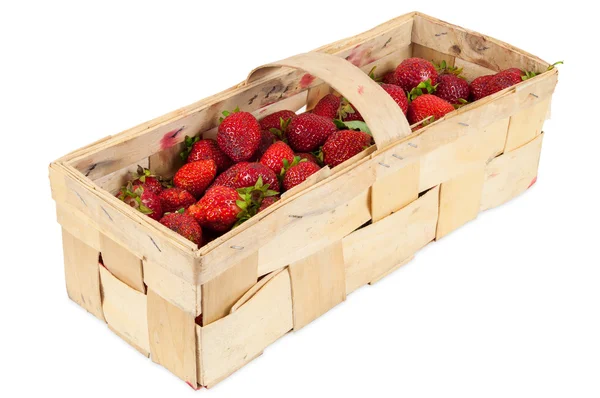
(425, 106)
(266, 202)
(141, 198)
(344, 144)
(453, 89)
(328, 106)
(500, 81)
(228, 177)
(198, 149)
(309, 157)
(390, 78)
(173, 199)
(267, 138)
(298, 173)
(274, 156)
(239, 135)
(185, 225)
(195, 177)
(274, 120)
(306, 132)
(413, 71)
(478, 87)
(217, 209)
(397, 94)
(248, 175)
(513, 71)
(152, 182)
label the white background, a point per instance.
(506, 306)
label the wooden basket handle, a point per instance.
(383, 116)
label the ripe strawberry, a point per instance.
(306, 132)
(328, 106)
(152, 182)
(397, 94)
(274, 156)
(344, 144)
(185, 225)
(309, 157)
(195, 177)
(413, 71)
(268, 201)
(239, 135)
(228, 177)
(217, 209)
(267, 138)
(223, 207)
(274, 120)
(173, 199)
(425, 106)
(298, 173)
(518, 73)
(478, 87)
(141, 198)
(197, 149)
(390, 78)
(500, 81)
(453, 89)
(248, 176)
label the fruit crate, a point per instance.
(205, 312)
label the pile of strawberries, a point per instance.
(226, 181)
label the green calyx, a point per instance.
(250, 200)
(461, 102)
(422, 88)
(443, 68)
(227, 113)
(345, 109)
(372, 75)
(527, 74)
(189, 143)
(356, 125)
(127, 192)
(287, 165)
(282, 130)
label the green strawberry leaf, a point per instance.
(339, 124)
(356, 125)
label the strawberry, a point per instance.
(413, 71)
(298, 173)
(306, 132)
(267, 138)
(397, 94)
(173, 199)
(223, 207)
(500, 81)
(478, 87)
(152, 182)
(275, 120)
(452, 88)
(248, 175)
(344, 144)
(309, 157)
(185, 225)
(217, 209)
(141, 198)
(228, 177)
(266, 202)
(513, 71)
(197, 149)
(195, 177)
(274, 156)
(390, 78)
(239, 135)
(425, 106)
(328, 106)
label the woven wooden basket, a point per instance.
(204, 313)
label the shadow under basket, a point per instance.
(205, 312)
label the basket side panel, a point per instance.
(125, 310)
(82, 275)
(527, 124)
(172, 334)
(122, 264)
(318, 284)
(511, 174)
(177, 291)
(393, 191)
(371, 251)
